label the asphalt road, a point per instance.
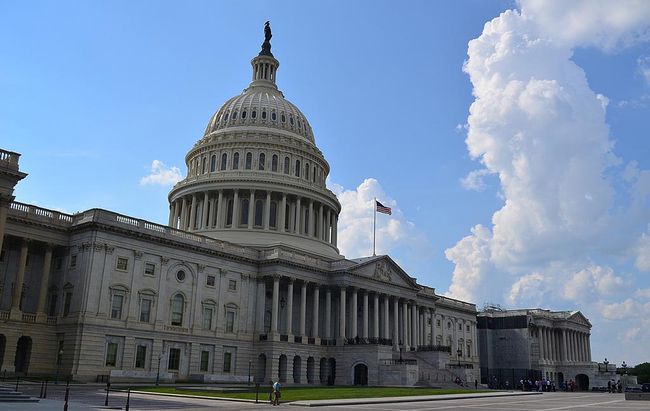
(92, 398)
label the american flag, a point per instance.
(382, 208)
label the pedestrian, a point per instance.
(276, 393)
(476, 384)
(609, 386)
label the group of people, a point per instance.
(543, 385)
(614, 386)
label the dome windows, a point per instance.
(234, 115)
(249, 160)
(291, 120)
(283, 118)
(213, 163)
(224, 161)
(243, 219)
(259, 210)
(307, 171)
(263, 114)
(226, 118)
(254, 114)
(262, 160)
(273, 220)
(205, 165)
(274, 116)
(235, 161)
(286, 165)
(297, 168)
(243, 114)
(274, 163)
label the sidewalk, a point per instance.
(51, 405)
(383, 400)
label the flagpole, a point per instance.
(374, 225)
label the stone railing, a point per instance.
(9, 159)
(398, 362)
(51, 320)
(4, 315)
(462, 365)
(450, 302)
(176, 329)
(439, 348)
(29, 318)
(51, 216)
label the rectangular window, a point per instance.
(227, 361)
(73, 261)
(174, 359)
(210, 281)
(116, 306)
(145, 310)
(460, 327)
(230, 321)
(149, 269)
(437, 323)
(58, 262)
(122, 263)
(111, 354)
(232, 285)
(52, 308)
(67, 299)
(205, 360)
(140, 356)
(207, 318)
(467, 353)
(468, 328)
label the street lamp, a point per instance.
(458, 354)
(58, 366)
(624, 368)
(158, 373)
(606, 363)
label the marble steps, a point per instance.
(9, 395)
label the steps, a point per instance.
(9, 395)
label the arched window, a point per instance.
(283, 118)
(249, 161)
(178, 305)
(213, 163)
(297, 168)
(274, 163)
(224, 161)
(243, 114)
(286, 165)
(205, 165)
(263, 114)
(254, 114)
(259, 211)
(273, 215)
(229, 213)
(262, 160)
(226, 118)
(234, 115)
(307, 171)
(235, 161)
(291, 120)
(313, 175)
(243, 219)
(274, 116)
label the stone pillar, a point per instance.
(405, 321)
(335, 230)
(283, 213)
(375, 317)
(386, 334)
(174, 223)
(342, 315)
(414, 325)
(540, 339)
(589, 347)
(316, 310)
(267, 211)
(235, 211)
(290, 306)
(183, 214)
(432, 315)
(275, 304)
(354, 309)
(364, 331)
(321, 223)
(310, 220)
(298, 213)
(251, 210)
(564, 346)
(261, 299)
(328, 226)
(303, 308)
(204, 211)
(328, 313)
(18, 282)
(45, 280)
(192, 224)
(395, 323)
(220, 209)
(171, 213)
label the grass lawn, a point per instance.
(314, 393)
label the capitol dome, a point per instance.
(256, 176)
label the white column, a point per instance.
(290, 306)
(20, 277)
(251, 209)
(283, 212)
(432, 315)
(342, 314)
(316, 311)
(45, 279)
(364, 333)
(354, 330)
(405, 322)
(540, 339)
(267, 211)
(298, 215)
(204, 213)
(310, 221)
(589, 347)
(172, 212)
(219, 209)
(320, 222)
(261, 299)
(335, 230)
(183, 213)
(395, 324)
(235, 210)
(414, 325)
(276, 301)
(192, 224)
(303, 308)
(328, 313)
(375, 309)
(565, 354)
(386, 318)
(328, 226)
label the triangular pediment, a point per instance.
(384, 269)
(579, 318)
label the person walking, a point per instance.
(276, 393)
(476, 384)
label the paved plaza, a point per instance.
(92, 398)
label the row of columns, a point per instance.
(208, 210)
(564, 345)
(411, 323)
(19, 281)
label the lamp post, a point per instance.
(606, 363)
(624, 368)
(458, 354)
(158, 373)
(59, 355)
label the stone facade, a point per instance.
(537, 344)
(245, 281)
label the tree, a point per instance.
(642, 371)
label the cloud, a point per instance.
(474, 180)
(643, 64)
(160, 174)
(395, 234)
(618, 311)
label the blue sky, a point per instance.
(93, 92)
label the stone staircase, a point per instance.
(8, 394)
(432, 372)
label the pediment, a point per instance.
(580, 319)
(384, 269)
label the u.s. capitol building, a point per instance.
(246, 278)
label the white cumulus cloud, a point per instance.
(160, 174)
